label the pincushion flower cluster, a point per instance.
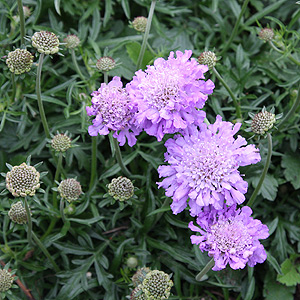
(231, 237)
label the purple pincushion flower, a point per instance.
(203, 167)
(112, 108)
(231, 237)
(168, 94)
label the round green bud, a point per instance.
(17, 213)
(266, 34)
(6, 280)
(72, 41)
(61, 142)
(121, 188)
(23, 180)
(262, 122)
(157, 285)
(139, 276)
(45, 42)
(139, 24)
(105, 64)
(131, 262)
(70, 189)
(208, 58)
(138, 294)
(19, 61)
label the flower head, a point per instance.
(231, 237)
(72, 41)
(266, 34)
(23, 180)
(139, 24)
(6, 280)
(140, 275)
(263, 121)
(168, 94)
(70, 189)
(112, 108)
(17, 213)
(19, 61)
(61, 142)
(138, 294)
(121, 188)
(157, 285)
(204, 167)
(208, 58)
(45, 42)
(105, 64)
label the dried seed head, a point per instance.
(70, 189)
(157, 285)
(139, 276)
(263, 122)
(121, 188)
(105, 64)
(23, 180)
(208, 58)
(17, 213)
(61, 142)
(138, 294)
(19, 61)
(139, 24)
(266, 34)
(45, 42)
(6, 280)
(72, 41)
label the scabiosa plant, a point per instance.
(139, 24)
(61, 142)
(167, 94)
(19, 61)
(105, 64)
(45, 42)
(70, 189)
(121, 188)
(17, 213)
(231, 237)
(208, 58)
(204, 167)
(157, 285)
(72, 41)
(6, 280)
(23, 180)
(111, 106)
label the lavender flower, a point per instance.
(231, 237)
(204, 167)
(111, 106)
(168, 94)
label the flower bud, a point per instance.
(262, 122)
(45, 42)
(26, 11)
(266, 34)
(131, 262)
(139, 24)
(121, 188)
(105, 64)
(72, 41)
(61, 142)
(139, 276)
(138, 294)
(17, 213)
(208, 58)
(157, 285)
(23, 180)
(6, 280)
(70, 189)
(19, 61)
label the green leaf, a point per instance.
(46, 99)
(269, 187)
(291, 164)
(133, 50)
(159, 210)
(273, 262)
(126, 8)
(57, 6)
(291, 272)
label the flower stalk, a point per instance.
(209, 265)
(74, 60)
(13, 80)
(146, 35)
(264, 173)
(94, 162)
(29, 229)
(22, 21)
(119, 158)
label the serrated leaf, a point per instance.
(133, 50)
(291, 272)
(269, 187)
(291, 164)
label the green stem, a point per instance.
(235, 29)
(93, 162)
(235, 102)
(56, 177)
(290, 57)
(22, 21)
(74, 60)
(264, 173)
(209, 265)
(29, 229)
(292, 110)
(13, 86)
(61, 209)
(45, 251)
(105, 74)
(146, 35)
(119, 158)
(206, 121)
(39, 96)
(151, 50)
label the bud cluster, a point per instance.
(17, 213)
(262, 122)
(45, 42)
(72, 41)
(70, 189)
(266, 34)
(139, 24)
(121, 188)
(208, 58)
(105, 64)
(61, 142)
(19, 61)
(6, 280)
